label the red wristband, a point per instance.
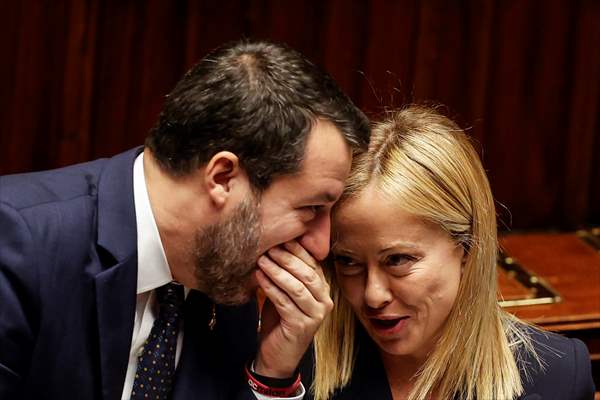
(261, 388)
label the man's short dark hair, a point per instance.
(258, 100)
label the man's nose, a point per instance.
(377, 291)
(316, 238)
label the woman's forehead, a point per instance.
(382, 224)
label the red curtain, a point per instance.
(83, 79)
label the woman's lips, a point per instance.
(389, 325)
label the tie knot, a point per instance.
(170, 295)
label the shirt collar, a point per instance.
(153, 268)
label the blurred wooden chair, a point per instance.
(553, 280)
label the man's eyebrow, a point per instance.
(324, 197)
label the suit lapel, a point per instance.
(193, 376)
(115, 299)
(212, 362)
(533, 396)
(116, 283)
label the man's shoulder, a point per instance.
(559, 365)
(54, 210)
(25, 190)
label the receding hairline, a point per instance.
(249, 62)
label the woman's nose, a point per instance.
(377, 290)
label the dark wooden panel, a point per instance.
(572, 267)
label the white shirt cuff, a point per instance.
(301, 392)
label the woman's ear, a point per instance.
(463, 260)
(221, 174)
(465, 256)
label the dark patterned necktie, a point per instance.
(156, 363)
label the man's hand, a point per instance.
(298, 300)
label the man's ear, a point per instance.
(221, 174)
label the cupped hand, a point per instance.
(298, 300)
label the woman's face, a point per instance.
(400, 273)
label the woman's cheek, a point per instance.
(352, 290)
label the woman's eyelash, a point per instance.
(343, 260)
(393, 259)
(399, 259)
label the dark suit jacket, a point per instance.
(567, 374)
(68, 274)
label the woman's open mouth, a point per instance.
(388, 326)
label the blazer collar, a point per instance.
(115, 307)
(115, 284)
(116, 210)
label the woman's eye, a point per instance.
(347, 266)
(343, 260)
(399, 259)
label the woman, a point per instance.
(414, 282)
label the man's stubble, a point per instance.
(226, 254)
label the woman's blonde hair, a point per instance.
(426, 163)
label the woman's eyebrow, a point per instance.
(398, 245)
(340, 249)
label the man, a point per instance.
(232, 191)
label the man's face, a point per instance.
(295, 206)
(298, 206)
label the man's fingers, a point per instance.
(285, 307)
(290, 295)
(296, 249)
(310, 276)
(299, 251)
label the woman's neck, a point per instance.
(400, 371)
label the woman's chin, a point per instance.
(395, 347)
(405, 344)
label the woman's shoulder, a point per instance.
(559, 367)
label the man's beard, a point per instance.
(226, 255)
